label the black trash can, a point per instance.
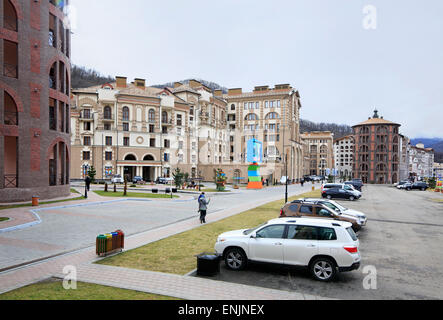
(154, 190)
(208, 264)
(167, 190)
(174, 190)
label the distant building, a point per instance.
(344, 156)
(421, 162)
(404, 158)
(438, 169)
(319, 148)
(377, 151)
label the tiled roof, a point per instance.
(257, 94)
(374, 121)
(184, 88)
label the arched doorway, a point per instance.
(129, 172)
(148, 171)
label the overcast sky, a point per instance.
(321, 47)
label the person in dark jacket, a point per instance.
(88, 182)
(203, 207)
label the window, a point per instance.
(151, 128)
(151, 115)
(323, 212)
(164, 130)
(10, 59)
(109, 141)
(107, 113)
(107, 127)
(87, 141)
(180, 144)
(179, 120)
(152, 142)
(166, 157)
(271, 232)
(266, 104)
(125, 114)
(126, 141)
(325, 234)
(306, 209)
(272, 115)
(125, 126)
(251, 117)
(232, 107)
(86, 155)
(108, 156)
(302, 232)
(293, 207)
(9, 16)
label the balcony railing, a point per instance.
(10, 23)
(10, 70)
(11, 118)
(11, 181)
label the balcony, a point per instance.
(10, 70)
(167, 122)
(86, 117)
(108, 119)
(11, 118)
(11, 181)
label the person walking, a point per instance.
(88, 182)
(203, 207)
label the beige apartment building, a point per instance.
(131, 129)
(319, 152)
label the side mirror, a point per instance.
(253, 236)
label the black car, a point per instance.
(418, 185)
(338, 193)
(357, 185)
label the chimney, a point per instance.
(218, 93)
(140, 83)
(121, 82)
(261, 89)
(177, 84)
(235, 92)
(194, 84)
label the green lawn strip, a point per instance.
(13, 206)
(3, 219)
(53, 290)
(134, 195)
(176, 254)
(214, 190)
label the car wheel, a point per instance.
(423, 189)
(352, 198)
(329, 197)
(235, 259)
(323, 269)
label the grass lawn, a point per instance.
(134, 195)
(53, 290)
(3, 219)
(214, 190)
(176, 253)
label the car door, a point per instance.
(267, 244)
(306, 210)
(300, 245)
(342, 194)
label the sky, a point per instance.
(346, 57)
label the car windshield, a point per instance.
(249, 231)
(339, 206)
(332, 206)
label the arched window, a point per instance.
(107, 113)
(9, 16)
(151, 115)
(323, 149)
(364, 149)
(381, 149)
(125, 114)
(382, 130)
(148, 158)
(164, 117)
(232, 107)
(53, 76)
(130, 157)
(10, 111)
(272, 115)
(251, 117)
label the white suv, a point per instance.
(324, 246)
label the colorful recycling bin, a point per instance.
(108, 242)
(122, 238)
(115, 242)
(101, 244)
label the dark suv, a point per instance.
(356, 183)
(418, 185)
(300, 208)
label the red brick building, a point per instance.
(377, 151)
(34, 100)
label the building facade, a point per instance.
(377, 151)
(421, 162)
(34, 95)
(135, 130)
(320, 152)
(344, 156)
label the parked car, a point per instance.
(137, 179)
(301, 208)
(331, 204)
(355, 184)
(423, 186)
(164, 180)
(358, 182)
(339, 193)
(357, 194)
(402, 184)
(325, 247)
(117, 179)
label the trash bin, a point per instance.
(174, 190)
(115, 242)
(101, 244)
(121, 238)
(108, 242)
(167, 190)
(208, 264)
(154, 190)
(35, 200)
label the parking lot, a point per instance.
(402, 240)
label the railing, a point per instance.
(10, 70)
(11, 181)
(11, 118)
(10, 23)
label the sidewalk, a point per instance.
(184, 287)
